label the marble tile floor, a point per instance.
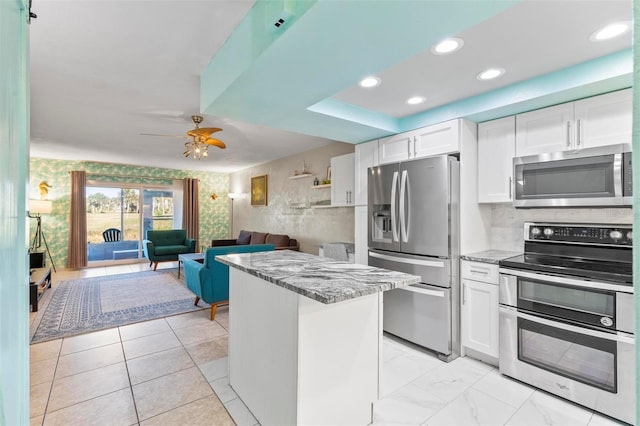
(173, 371)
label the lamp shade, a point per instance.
(233, 195)
(40, 206)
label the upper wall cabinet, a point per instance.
(596, 121)
(366, 156)
(496, 149)
(441, 138)
(342, 179)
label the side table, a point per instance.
(39, 281)
(198, 257)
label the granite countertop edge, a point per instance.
(338, 293)
(489, 256)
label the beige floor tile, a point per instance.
(45, 350)
(200, 332)
(222, 318)
(190, 319)
(90, 341)
(150, 344)
(210, 350)
(64, 275)
(79, 362)
(38, 398)
(36, 421)
(116, 408)
(118, 269)
(169, 392)
(205, 411)
(42, 371)
(152, 366)
(141, 329)
(98, 271)
(84, 386)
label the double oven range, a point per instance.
(567, 315)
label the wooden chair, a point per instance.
(110, 235)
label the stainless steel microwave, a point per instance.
(591, 177)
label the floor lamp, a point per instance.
(232, 195)
(39, 207)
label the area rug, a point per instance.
(89, 304)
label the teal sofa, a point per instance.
(164, 246)
(210, 280)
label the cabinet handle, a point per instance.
(510, 189)
(578, 134)
(464, 292)
(477, 271)
(568, 134)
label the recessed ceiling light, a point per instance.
(369, 82)
(415, 100)
(610, 31)
(446, 46)
(490, 74)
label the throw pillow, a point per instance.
(244, 237)
(258, 237)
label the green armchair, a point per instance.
(164, 246)
(210, 280)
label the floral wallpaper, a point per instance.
(214, 214)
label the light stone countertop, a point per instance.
(319, 278)
(489, 256)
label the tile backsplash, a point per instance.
(507, 222)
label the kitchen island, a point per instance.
(304, 336)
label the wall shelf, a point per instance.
(303, 175)
(328, 185)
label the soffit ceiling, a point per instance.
(102, 72)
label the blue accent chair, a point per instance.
(210, 280)
(166, 245)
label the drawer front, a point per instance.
(478, 271)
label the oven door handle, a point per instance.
(616, 337)
(596, 285)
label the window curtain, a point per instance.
(191, 208)
(77, 253)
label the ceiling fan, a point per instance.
(200, 139)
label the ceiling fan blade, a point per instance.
(166, 136)
(203, 131)
(215, 142)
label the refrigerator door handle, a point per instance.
(394, 219)
(403, 214)
(436, 293)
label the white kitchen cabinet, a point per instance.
(479, 312)
(394, 148)
(361, 235)
(596, 121)
(496, 149)
(441, 138)
(366, 156)
(342, 180)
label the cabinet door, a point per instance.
(362, 250)
(366, 156)
(394, 148)
(496, 149)
(545, 130)
(342, 177)
(442, 138)
(604, 120)
(479, 316)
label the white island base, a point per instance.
(296, 361)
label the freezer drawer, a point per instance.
(421, 314)
(432, 270)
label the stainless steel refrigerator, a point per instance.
(413, 227)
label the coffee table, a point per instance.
(198, 257)
(39, 281)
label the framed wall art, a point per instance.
(259, 190)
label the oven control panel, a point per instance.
(618, 235)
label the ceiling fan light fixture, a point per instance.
(448, 45)
(610, 31)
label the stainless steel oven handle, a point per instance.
(616, 337)
(596, 285)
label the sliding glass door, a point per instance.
(118, 217)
